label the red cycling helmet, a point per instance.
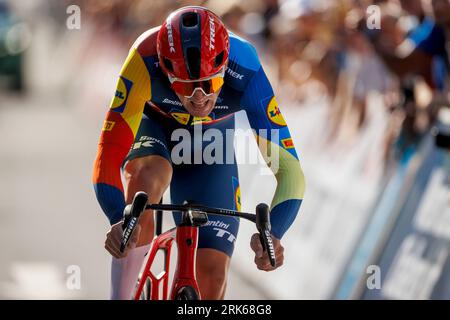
(192, 44)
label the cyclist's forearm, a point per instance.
(107, 180)
(111, 201)
(288, 194)
(115, 142)
(290, 184)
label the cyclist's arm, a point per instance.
(119, 129)
(263, 113)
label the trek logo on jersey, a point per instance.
(108, 125)
(234, 74)
(225, 234)
(274, 114)
(120, 97)
(287, 143)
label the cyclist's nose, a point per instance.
(199, 95)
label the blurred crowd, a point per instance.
(344, 50)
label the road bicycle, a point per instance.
(185, 235)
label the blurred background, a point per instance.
(367, 108)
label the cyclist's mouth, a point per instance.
(201, 109)
(199, 105)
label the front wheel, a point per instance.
(187, 293)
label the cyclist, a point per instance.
(190, 73)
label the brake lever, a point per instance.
(267, 244)
(131, 216)
(127, 232)
(263, 226)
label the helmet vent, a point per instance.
(193, 62)
(219, 59)
(168, 64)
(190, 19)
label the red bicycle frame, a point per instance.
(186, 238)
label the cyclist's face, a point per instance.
(199, 105)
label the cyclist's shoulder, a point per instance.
(243, 53)
(243, 63)
(145, 44)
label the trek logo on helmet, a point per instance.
(212, 33)
(170, 36)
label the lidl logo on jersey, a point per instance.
(120, 98)
(287, 143)
(237, 198)
(237, 193)
(274, 114)
(119, 94)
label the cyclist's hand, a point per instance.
(114, 238)
(261, 257)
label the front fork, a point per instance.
(187, 239)
(163, 242)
